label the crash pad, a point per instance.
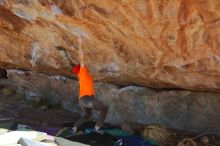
(27, 142)
(112, 136)
(65, 132)
(13, 136)
(23, 127)
(14, 145)
(97, 139)
(128, 138)
(49, 130)
(116, 132)
(64, 142)
(134, 140)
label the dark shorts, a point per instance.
(86, 101)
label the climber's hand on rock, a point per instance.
(80, 40)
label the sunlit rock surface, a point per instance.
(154, 43)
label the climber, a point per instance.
(87, 100)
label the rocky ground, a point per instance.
(14, 108)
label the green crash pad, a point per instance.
(65, 132)
(116, 132)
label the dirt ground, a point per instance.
(14, 108)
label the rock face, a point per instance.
(154, 43)
(181, 109)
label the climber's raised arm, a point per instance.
(81, 52)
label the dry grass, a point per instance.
(158, 133)
(187, 142)
(204, 140)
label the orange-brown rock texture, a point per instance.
(154, 43)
